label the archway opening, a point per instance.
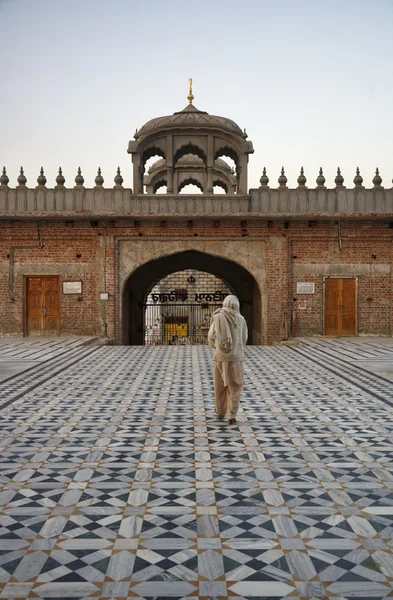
(219, 187)
(190, 186)
(142, 281)
(179, 307)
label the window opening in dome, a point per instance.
(152, 170)
(189, 149)
(219, 188)
(190, 186)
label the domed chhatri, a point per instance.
(190, 116)
(190, 168)
(190, 132)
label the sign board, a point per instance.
(305, 287)
(104, 296)
(72, 287)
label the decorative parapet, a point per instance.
(282, 202)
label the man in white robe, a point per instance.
(228, 337)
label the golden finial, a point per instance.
(190, 96)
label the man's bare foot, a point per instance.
(231, 421)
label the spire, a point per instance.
(22, 178)
(60, 180)
(190, 96)
(99, 180)
(282, 180)
(79, 180)
(377, 180)
(302, 178)
(264, 180)
(321, 179)
(339, 179)
(358, 179)
(118, 178)
(41, 179)
(4, 178)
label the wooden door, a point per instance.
(340, 306)
(42, 306)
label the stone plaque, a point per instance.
(72, 287)
(305, 287)
(104, 296)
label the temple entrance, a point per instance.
(170, 300)
(179, 307)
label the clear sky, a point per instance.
(310, 80)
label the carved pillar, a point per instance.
(242, 174)
(210, 164)
(138, 183)
(169, 164)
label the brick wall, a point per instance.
(293, 252)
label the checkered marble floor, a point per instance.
(117, 479)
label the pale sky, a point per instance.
(310, 80)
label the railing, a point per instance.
(81, 203)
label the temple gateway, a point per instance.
(149, 265)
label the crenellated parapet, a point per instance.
(98, 201)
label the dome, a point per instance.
(190, 116)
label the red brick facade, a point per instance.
(293, 251)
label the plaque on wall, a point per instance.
(72, 287)
(305, 287)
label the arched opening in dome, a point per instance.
(160, 187)
(189, 149)
(151, 158)
(219, 187)
(190, 186)
(229, 159)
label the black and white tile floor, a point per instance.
(117, 480)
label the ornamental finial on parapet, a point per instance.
(358, 179)
(190, 96)
(321, 179)
(377, 180)
(4, 178)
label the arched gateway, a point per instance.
(141, 281)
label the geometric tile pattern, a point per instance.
(118, 480)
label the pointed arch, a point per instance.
(189, 149)
(139, 282)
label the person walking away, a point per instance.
(228, 336)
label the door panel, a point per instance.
(348, 307)
(51, 304)
(340, 306)
(331, 306)
(34, 306)
(43, 306)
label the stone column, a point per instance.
(210, 164)
(138, 183)
(242, 174)
(169, 164)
